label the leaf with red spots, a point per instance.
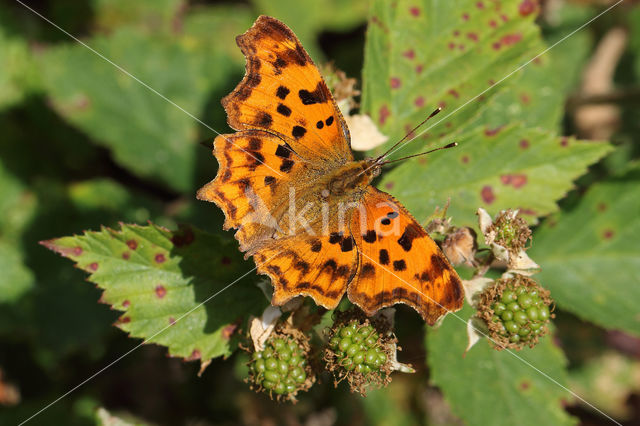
(456, 54)
(590, 255)
(496, 168)
(484, 377)
(171, 286)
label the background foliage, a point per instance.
(88, 147)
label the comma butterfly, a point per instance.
(303, 207)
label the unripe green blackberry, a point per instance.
(282, 367)
(359, 351)
(516, 310)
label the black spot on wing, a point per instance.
(268, 180)
(335, 237)
(319, 95)
(284, 110)
(320, 124)
(329, 121)
(283, 151)
(255, 144)
(347, 244)
(367, 271)
(298, 132)
(264, 119)
(399, 265)
(286, 166)
(411, 232)
(384, 257)
(282, 92)
(370, 236)
(316, 246)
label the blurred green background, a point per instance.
(85, 145)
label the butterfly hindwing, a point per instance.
(315, 266)
(284, 93)
(399, 263)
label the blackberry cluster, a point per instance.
(519, 312)
(281, 367)
(359, 352)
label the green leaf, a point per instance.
(16, 279)
(159, 278)
(18, 75)
(148, 135)
(154, 14)
(495, 168)
(424, 54)
(590, 256)
(496, 387)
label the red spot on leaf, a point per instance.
(451, 46)
(602, 207)
(183, 236)
(515, 180)
(465, 159)
(492, 132)
(419, 102)
(228, 331)
(161, 291)
(448, 125)
(524, 385)
(537, 61)
(480, 5)
(456, 33)
(408, 130)
(564, 142)
(172, 320)
(132, 244)
(442, 104)
(461, 46)
(126, 304)
(487, 194)
(491, 82)
(472, 36)
(493, 23)
(226, 260)
(395, 82)
(454, 93)
(504, 18)
(410, 54)
(383, 114)
(124, 320)
(414, 11)
(422, 160)
(194, 355)
(77, 251)
(496, 45)
(126, 255)
(419, 69)
(510, 39)
(465, 16)
(160, 258)
(389, 185)
(608, 234)
(527, 212)
(524, 144)
(524, 97)
(93, 266)
(527, 7)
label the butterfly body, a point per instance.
(302, 206)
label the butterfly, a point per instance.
(302, 206)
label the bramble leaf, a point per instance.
(495, 169)
(487, 386)
(590, 255)
(148, 135)
(185, 290)
(505, 159)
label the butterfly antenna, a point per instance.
(451, 145)
(433, 114)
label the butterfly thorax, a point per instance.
(351, 178)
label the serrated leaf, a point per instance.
(161, 280)
(424, 54)
(590, 255)
(495, 169)
(147, 134)
(495, 387)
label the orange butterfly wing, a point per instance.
(284, 93)
(399, 263)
